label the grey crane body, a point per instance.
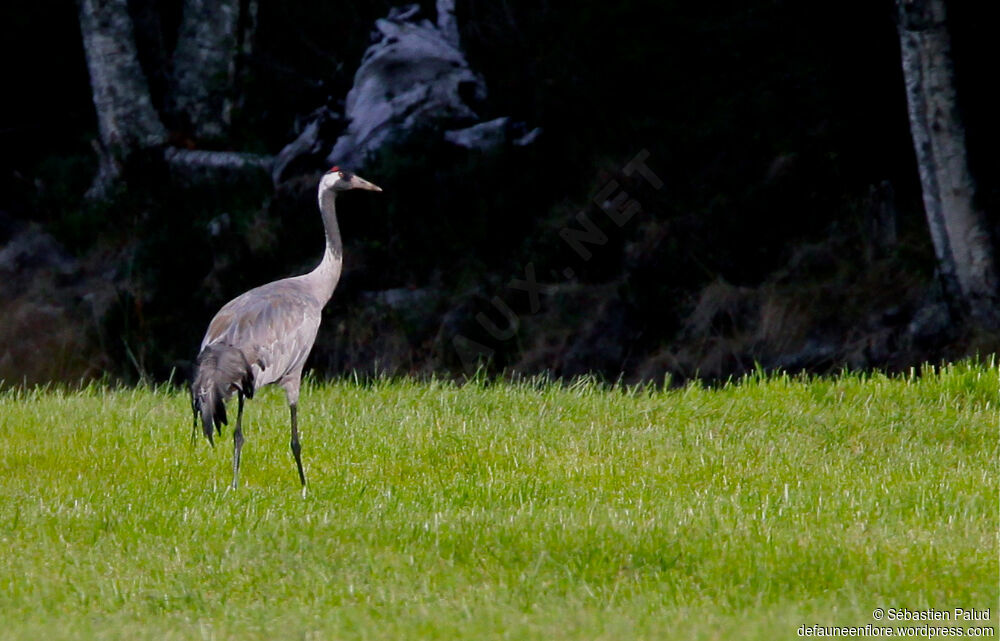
(264, 336)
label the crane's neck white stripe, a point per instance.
(324, 278)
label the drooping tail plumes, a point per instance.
(219, 370)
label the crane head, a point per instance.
(339, 179)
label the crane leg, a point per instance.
(296, 446)
(237, 439)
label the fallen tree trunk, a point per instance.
(196, 167)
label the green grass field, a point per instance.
(503, 511)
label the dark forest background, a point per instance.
(779, 129)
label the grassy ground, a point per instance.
(503, 511)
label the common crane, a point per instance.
(263, 336)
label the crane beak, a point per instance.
(358, 182)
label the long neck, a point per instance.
(324, 278)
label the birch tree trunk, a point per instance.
(128, 123)
(126, 120)
(213, 34)
(962, 241)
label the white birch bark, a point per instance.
(204, 65)
(126, 119)
(959, 231)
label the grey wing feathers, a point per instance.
(274, 326)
